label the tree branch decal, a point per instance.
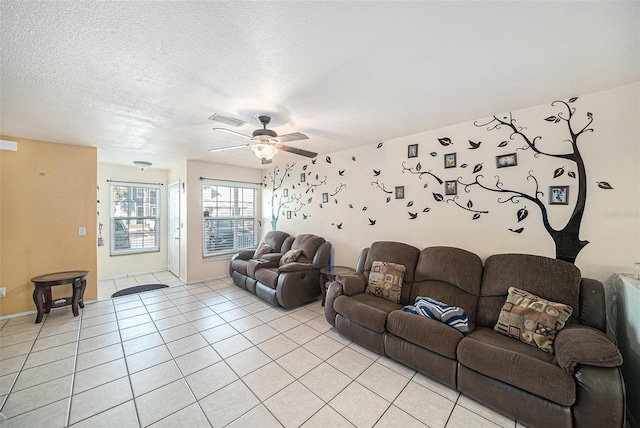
(312, 187)
(381, 186)
(567, 241)
(418, 170)
(338, 189)
(278, 204)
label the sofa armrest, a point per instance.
(272, 257)
(580, 344)
(334, 290)
(244, 255)
(352, 283)
(297, 267)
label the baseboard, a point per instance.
(34, 312)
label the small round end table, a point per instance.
(42, 291)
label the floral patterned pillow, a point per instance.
(290, 257)
(262, 250)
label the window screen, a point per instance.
(134, 218)
(229, 217)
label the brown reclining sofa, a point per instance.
(579, 385)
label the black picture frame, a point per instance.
(412, 151)
(303, 177)
(451, 187)
(325, 198)
(450, 160)
(558, 195)
(288, 215)
(399, 192)
(505, 161)
(285, 192)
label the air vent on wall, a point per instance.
(227, 120)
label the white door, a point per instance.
(174, 228)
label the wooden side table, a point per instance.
(42, 291)
(329, 273)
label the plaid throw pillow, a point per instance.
(532, 319)
(385, 280)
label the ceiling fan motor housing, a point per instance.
(264, 133)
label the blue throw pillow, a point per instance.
(453, 316)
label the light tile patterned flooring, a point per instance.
(209, 355)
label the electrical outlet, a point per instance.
(3, 291)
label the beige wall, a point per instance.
(110, 266)
(611, 222)
(47, 191)
(199, 268)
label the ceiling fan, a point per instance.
(265, 143)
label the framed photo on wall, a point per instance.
(285, 192)
(303, 177)
(412, 151)
(451, 187)
(325, 198)
(289, 215)
(558, 195)
(399, 192)
(504, 161)
(450, 160)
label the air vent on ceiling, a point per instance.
(227, 120)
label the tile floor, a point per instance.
(209, 355)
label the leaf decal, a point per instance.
(464, 165)
(469, 204)
(604, 185)
(341, 172)
(445, 141)
(328, 159)
(438, 197)
(590, 115)
(317, 176)
(476, 216)
(477, 168)
(572, 100)
(571, 174)
(388, 199)
(551, 119)
(350, 205)
(522, 214)
(304, 168)
(558, 172)
(474, 145)
(353, 158)
(425, 185)
(418, 167)
(433, 154)
(503, 144)
(412, 216)
(379, 144)
(517, 230)
(364, 208)
(313, 161)
(320, 205)
(426, 210)
(372, 222)
(335, 200)
(410, 204)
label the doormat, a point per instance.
(138, 289)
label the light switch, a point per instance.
(82, 231)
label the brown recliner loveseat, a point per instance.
(287, 285)
(578, 385)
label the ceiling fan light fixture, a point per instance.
(264, 151)
(142, 164)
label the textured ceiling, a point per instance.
(139, 79)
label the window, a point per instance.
(229, 217)
(134, 218)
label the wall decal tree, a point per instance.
(280, 203)
(567, 238)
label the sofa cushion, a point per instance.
(308, 243)
(366, 310)
(268, 276)
(515, 363)
(240, 266)
(579, 344)
(262, 249)
(275, 239)
(453, 316)
(424, 332)
(531, 319)
(548, 278)
(385, 280)
(290, 256)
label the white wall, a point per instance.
(109, 266)
(199, 268)
(611, 222)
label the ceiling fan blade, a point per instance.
(295, 136)
(221, 149)
(298, 151)
(230, 132)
